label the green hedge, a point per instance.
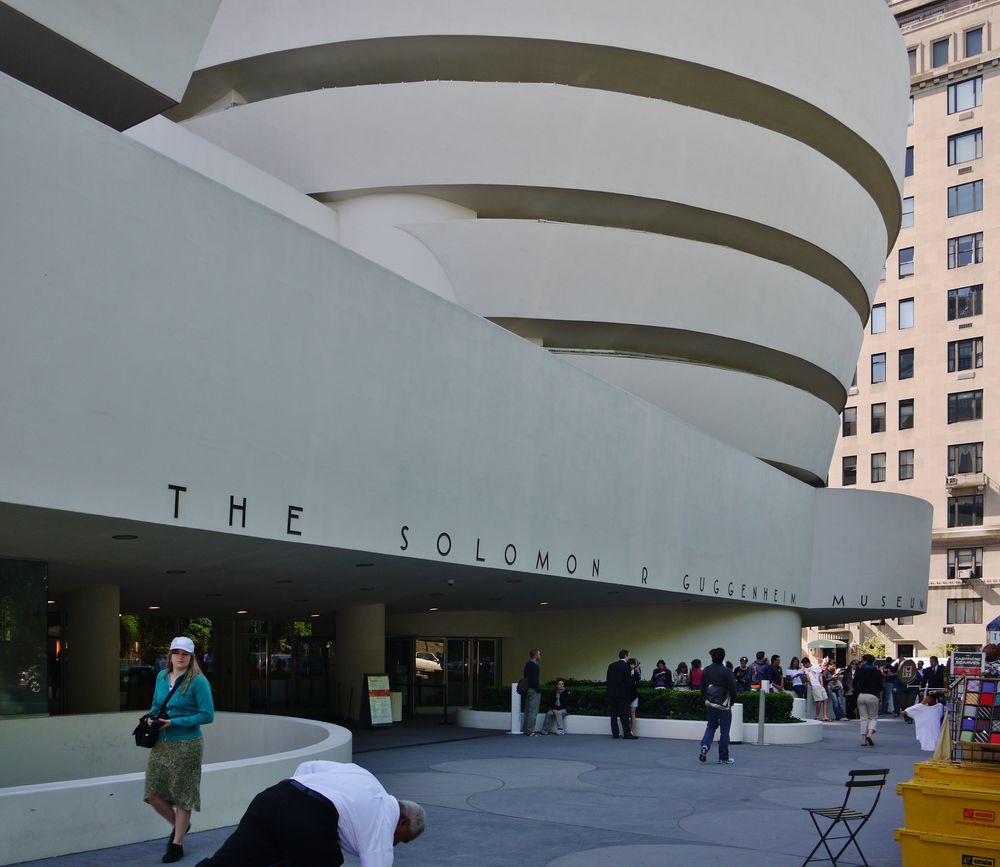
(589, 700)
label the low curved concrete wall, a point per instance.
(805, 732)
(94, 776)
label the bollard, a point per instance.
(765, 685)
(515, 710)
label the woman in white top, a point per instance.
(812, 674)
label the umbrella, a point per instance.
(826, 642)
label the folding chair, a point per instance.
(844, 814)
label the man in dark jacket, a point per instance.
(558, 707)
(718, 689)
(619, 682)
(935, 675)
(532, 693)
(760, 669)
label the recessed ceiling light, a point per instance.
(52, 602)
(363, 565)
(177, 571)
(241, 611)
(433, 609)
(513, 580)
(125, 537)
(543, 603)
(314, 615)
(154, 607)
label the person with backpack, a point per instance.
(760, 669)
(718, 690)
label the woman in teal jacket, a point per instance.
(173, 775)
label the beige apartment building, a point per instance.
(924, 415)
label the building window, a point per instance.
(965, 610)
(965, 354)
(965, 198)
(878, 367)
(906, 464)
(878, 417)
(878, 319)
(974, 42)
(939, 53)
(906, 313)
(965, 562)
(849, 424)
(965, 302)
(906, 262)
(906, 414)
(849, 470)
(907, 213)
(854, 379)
(908, 165)
(909, 120)
(965, 406)
(964, 147)
(965, 94)
(905, 621)
(965, 458)
(966, 511)
(906, 364)
(965, 250)
(878, 467)
(912, 57)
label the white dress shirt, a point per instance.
(368, 814)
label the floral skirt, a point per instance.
(174, 772)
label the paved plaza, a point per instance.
(496, 800)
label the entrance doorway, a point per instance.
(430, 670)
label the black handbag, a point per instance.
(147, 735)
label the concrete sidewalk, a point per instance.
(588, 801)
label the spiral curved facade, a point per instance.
(696, 214)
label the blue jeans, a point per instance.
(718, 719)
(837, 703)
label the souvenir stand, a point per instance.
(952, 806)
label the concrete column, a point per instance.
(90, 659)
(223, 676)
(360, 649)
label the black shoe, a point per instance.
(174, 853)
(614, 737)
(631, 738)
(170, 839)
(869, 741)
(703, 754)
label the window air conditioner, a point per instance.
(948, 630)
(964, 574)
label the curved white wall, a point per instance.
(83, 776)
(848, 61)
(560, 271)
(535, 135)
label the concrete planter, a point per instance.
(94, 776)
(805, 732)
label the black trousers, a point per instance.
(284, 825)
(620, 711)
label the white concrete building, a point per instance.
(251, 365)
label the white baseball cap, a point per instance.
(182, 643)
